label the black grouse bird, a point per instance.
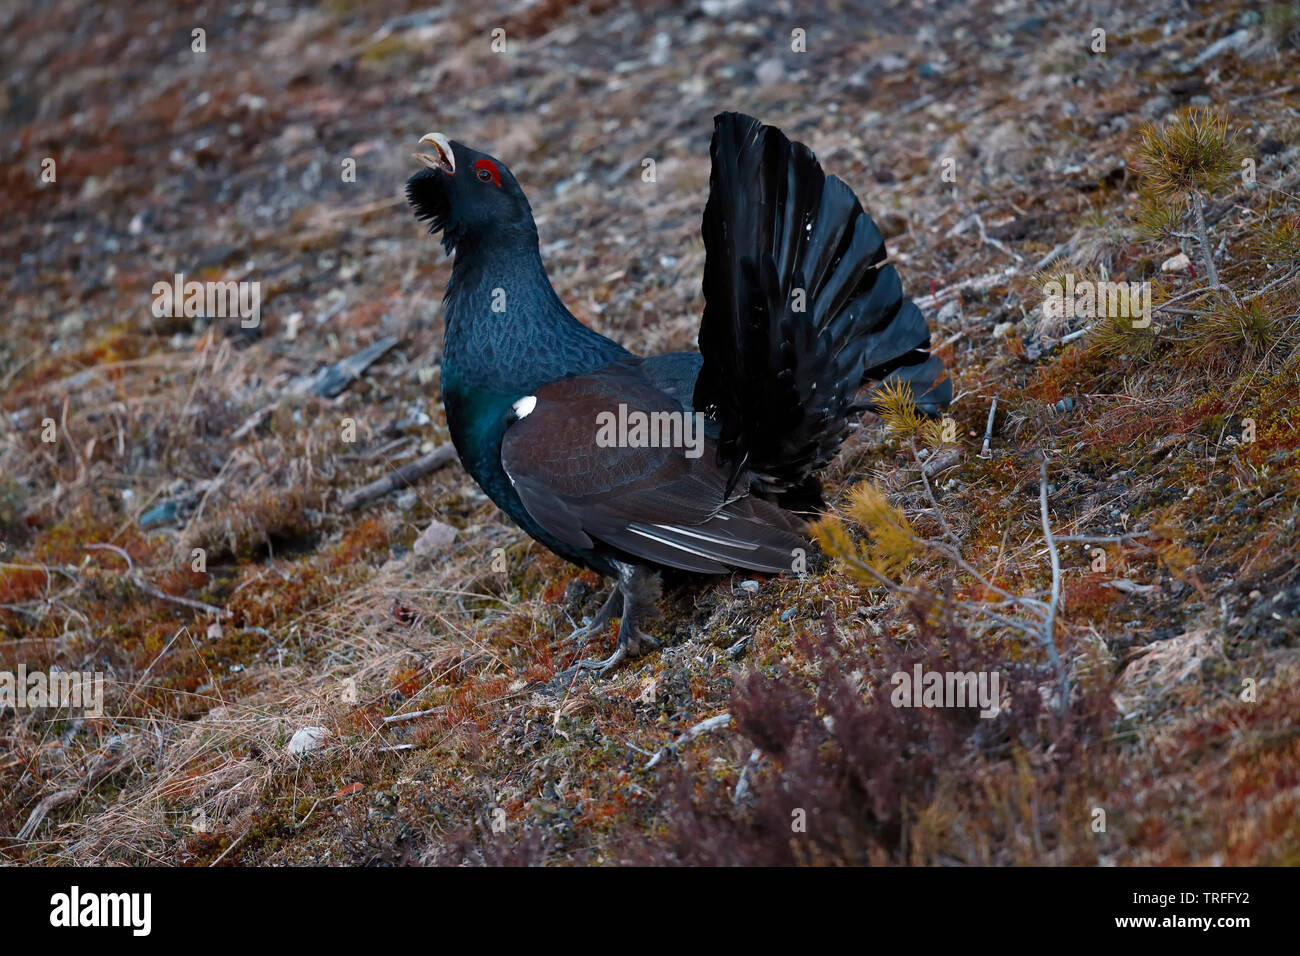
(589, 448)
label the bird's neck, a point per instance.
(508, 334)
(507, 330)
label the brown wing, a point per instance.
(659, 504)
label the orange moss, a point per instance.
(1119, 431)
(360, 542)
(271, 601)
(1088, 598)
(409, 681)
(1072, 367)
(65, 542)
(1204, 406)
(120, 343)
(19, 584)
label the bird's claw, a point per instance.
(603, 617)
(590, 629)
(639, 643)
(608, 664)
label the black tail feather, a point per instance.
(799, 311)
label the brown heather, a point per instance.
(1178, 445)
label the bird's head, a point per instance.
(468, 196)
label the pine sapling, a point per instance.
(1182, 164)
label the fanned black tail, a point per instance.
(798, 312)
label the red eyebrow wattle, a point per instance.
(491, 167)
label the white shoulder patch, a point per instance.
(524, 407)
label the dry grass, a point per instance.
(176, 435)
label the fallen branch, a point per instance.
(1049, 626)
(989, 240)
(940, 462)
(103, 767)
(406, 475)
(747, 771)
(948, 341)
(1271, 286)
(1279, 91)
(953, 553)
(988, 430)
(254, 421)
(703, 727)
(238, 840)
(1051, 257)
(414, 715)
(333, 379)
(977, 283)
(153, 592)
(149, 589)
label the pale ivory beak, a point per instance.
(443, 158)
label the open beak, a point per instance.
(442, 159)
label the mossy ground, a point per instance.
(227, 164)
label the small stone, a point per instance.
(215, 632)
(307, 739)
(720, 8)
(1233, 41)
(435, 539)
(750, 587)
(72, 323)
(1001, 329)
(160, 514)
(1157, 106)
(788, 614)
(408, 499)
(769, 73)
(1178, 263)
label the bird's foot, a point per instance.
(637, 589)
(600, 667)
(632, 642)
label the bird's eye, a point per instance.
(486, 171)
